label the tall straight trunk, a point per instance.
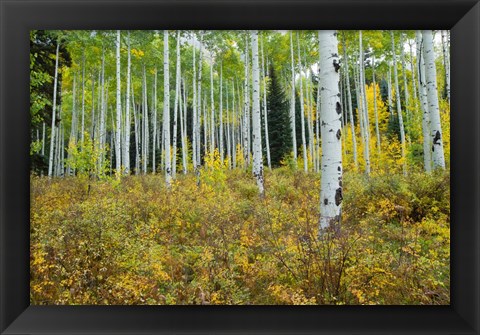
(118, 155)
(199, 100)
(154, 121)
(331, 111)
(166, 110)
(234, 142)
(145, 137)
(399, 106)
(82, 130)
(432, 98)
(54, 106)
(176, 106)
(350, 109)
(446, 62)
(246, 112)
(43, 139)
(183, 130)
(302, 109)
(73, 131)
(292, 104)
(194, 117)
(126, 146)
(92, 116)
(136, 124)
(212, 114)
(257, 133)
(422, 92)
(309, 116)
(229, 142)
(404, 71)
(360, 106)
(102, 131)
(220, 117)
(265, 110)
(375, 111)
(363, 92)
(414, 74)
(389, 84)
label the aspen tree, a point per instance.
(331, 111)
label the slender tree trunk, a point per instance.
(229, 141)
(154, 121)
(73, 131)
(234, 118)
(350, 109)
(399, 106)
(199, 98)
(302, 109)
(176, 106)
(432, 98)
(331, 111)
(246, 115)
(366, 125)
(422, 92)
(404, 71)
(375, 111)
(102, 131)
(265, 110)
(54, 106)
(43, 139)
(194, 118)
(257, 133)
(446, 62)
(220, 141)
(118, 155)
(389, 95)
(183, 130)
(83, 99)
(166, 110)
(126, 146)
(212, 115)
(292, 104)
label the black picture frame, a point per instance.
(19, 16)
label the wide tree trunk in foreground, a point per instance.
(331, 111)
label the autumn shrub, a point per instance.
(133, 241)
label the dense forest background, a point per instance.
(240, 167)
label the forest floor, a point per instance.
(130, 241)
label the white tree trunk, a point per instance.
(432, 98)
(126, 146)
(350, 109)
(446, 62)
(302, 109)
(54, 106)
(102, 131)
(154, 121)
(176, 106)
(246, 115)
(82, 136)
(292, 105)
(331, 111)
(366, 126)
(194, 117)
(265, 113)
(220, 118)
(257, 133)
(422, 92)
(212, 114)
(118, 128)
(404, 71)
(399, 106)
(73, 131)
(375, 111)
(183, 128)
(166, 110)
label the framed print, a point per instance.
(177, 171)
